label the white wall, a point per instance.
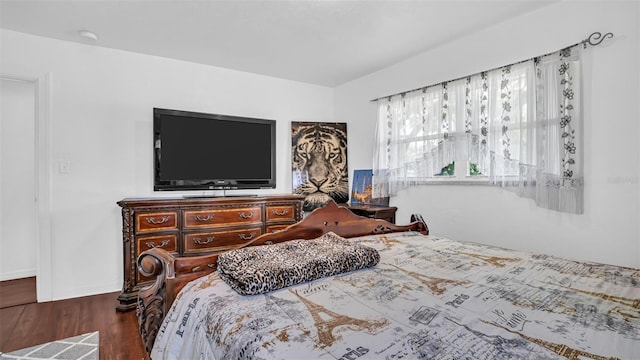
(101, 122)
(608, 231)
(17, 180)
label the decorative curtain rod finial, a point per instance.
(596, 39)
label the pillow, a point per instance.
(260, 269)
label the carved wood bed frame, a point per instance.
(172, 274)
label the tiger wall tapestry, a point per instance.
(319, 162)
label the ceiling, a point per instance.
(325, 42)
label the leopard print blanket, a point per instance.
(260, 269)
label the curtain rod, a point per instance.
(594, 39)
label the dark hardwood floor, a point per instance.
(17, 292)
(35, 323)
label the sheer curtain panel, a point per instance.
(518, 127)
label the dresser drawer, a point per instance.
(167, 242)
(280, 213)
(194, 219)
(156, 221)
(218, 240)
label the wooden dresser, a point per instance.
(196, 226)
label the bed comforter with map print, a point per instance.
(428, 298)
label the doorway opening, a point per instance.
(24, 183)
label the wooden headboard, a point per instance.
(172, 274)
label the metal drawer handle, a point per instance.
(244, 237)
(200, 242)
(280, 213)
(151, 245)
(205, 218)
(245, 216)
(152, 220)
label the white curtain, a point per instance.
(559, 168)
(520, 126)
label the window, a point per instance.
(517, 127)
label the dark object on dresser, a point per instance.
(387, 213)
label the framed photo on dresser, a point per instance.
(361, 190)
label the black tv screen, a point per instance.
(199, 151)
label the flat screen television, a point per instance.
(199, 151)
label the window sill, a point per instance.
(469, 180)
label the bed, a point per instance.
(414, 295)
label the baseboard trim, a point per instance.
(86, 291)
(19, 274)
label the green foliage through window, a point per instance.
(448, 170)
(473, 169)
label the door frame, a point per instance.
(43, 148)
